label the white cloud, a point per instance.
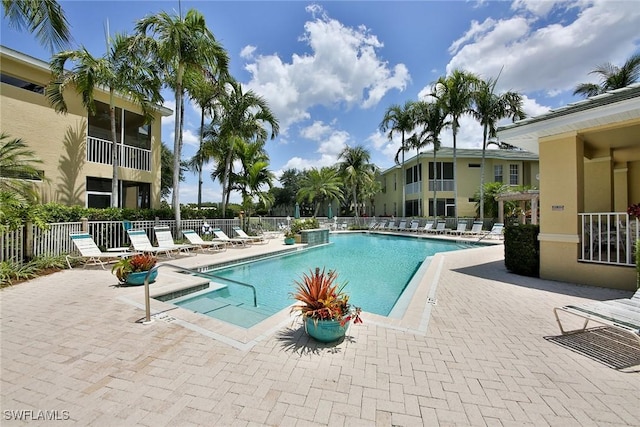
(343, 68)
(247, 52)
(169, 120)
(190, 138)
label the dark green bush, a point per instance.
(522, 249)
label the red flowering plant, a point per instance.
(323, 299)
(634, 210)
(134, 264)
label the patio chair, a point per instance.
(204, 245)
(235, 241)
(141, 243)
(414, 226)
(91, 253)
(165, 240)
(623, 313)
(476, 229)
(427, 227)
(401, 226)
(496, 231)
(439, 229)
(391, 226)
(460, 229)
(253, 239)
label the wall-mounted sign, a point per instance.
(557, 207)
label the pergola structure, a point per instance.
(522, 197)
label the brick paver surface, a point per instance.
(72, 349)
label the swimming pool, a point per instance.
(376, 267)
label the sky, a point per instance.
(330, 70)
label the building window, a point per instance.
(497, 173)
(445, 207)
(474, 165)
(412, 207)
(513, 175)
(395, 182)
(136, 132)
(22, 84)
(98, 192)
(414, 174)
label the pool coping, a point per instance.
(415, 318)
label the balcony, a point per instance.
(441, 185)
(608, 238)
(99, 151)
(413, 188)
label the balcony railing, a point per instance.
(99, 151)
(413, 188)
(441, 185)
(608, 238)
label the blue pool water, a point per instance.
(376, 267)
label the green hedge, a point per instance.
(522, 249)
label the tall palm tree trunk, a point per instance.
(455, 174)
(484, 150)
(115, 152)
(404, 180)
(175, 202)
(200, 159)
(435, 185)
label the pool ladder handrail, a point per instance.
(147, 300)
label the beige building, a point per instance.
(589, 175)
(511, 167)
(75, 148)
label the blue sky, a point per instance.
(329, 70)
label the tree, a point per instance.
(399, 119)
(455, 93)
(17, 167)
(180, 44)
(611, 77)
(356, 170)
(489, 108)
(122, 70)
(243, 116)
(319, 185)
(45, 18)
(255, 174)
(432, 118)
(166, 171)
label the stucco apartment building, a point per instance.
(422, 173)
(589, 176)
(75, 148)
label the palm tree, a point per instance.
(45, 18)
(432, 117)
(255, 174)
(123, 69)
(179, 44)
(242, 118)
(489, 108)
(399, 119)
(357, 171)
(319, 185)
(611, 77)
(17, 166)
(455, 93)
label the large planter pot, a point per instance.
(325, 330)
(289, 240)
(137, 278)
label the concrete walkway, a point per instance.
(72, 348)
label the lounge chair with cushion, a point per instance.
(204, 245)
(621, 313)
(141, 243)
(253, 239)
(91, 253)
(235, 241)
(165, 240)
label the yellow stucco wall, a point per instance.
(59, 139)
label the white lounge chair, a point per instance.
(91, 253)
(427, 227)
(401, 226)
(253, 239)
(414, 226)
(476, 229)
(439, 229)
(391, 226)
(221, 235)
(460, 229)
(204, 245)
(141, 243)
(496, 231)
(165, 240)
(620, 313)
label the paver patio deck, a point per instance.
(71, 343)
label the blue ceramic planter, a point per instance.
(289, 240)
(137, 278)
(325, 330)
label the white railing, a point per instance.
(11, 247)
(608, 238)
(441, 185)
(413, 188)
(99, 151)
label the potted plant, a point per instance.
(133, 270)
(289, 237)
(324, 307)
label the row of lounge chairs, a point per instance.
(91, 254)
(439, 228)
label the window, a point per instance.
(513, 175)
(98, 192)
(445, 207)
(474, 165)
(412, 207)
(136, 132)
(444, 170)
(414, 174)
(497, 173)
(22, 84)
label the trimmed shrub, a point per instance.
(522, 249)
